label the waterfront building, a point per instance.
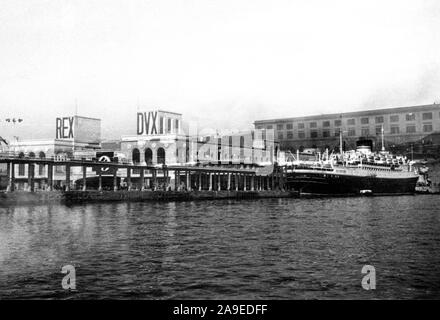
(162, 139)
(75, 137)
(406, 129)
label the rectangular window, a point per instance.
(326, 133)
(410, 116)
(259, 127)
(269, 127)
(300, 125)
(280, 136)
(378, 130)
(177, 125)
(411, 129)
(427, 116)
(301, 135)
(337, 132)
(326, 124)
(351, 122)
(395, 130)
(313, 134)
(161, 125)
(313, 125)
(280, 127)
(21, 169)
(289, 126)
(289, 135)
(338, 123)
(365, 120)
(427, 127)
(394, 118)
(351, 132)
(379, 119)
(365, 132)
(169, 125)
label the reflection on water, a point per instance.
(272, 248)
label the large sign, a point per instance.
(65, 128)
(105, 157)
(147, 123)
(79, 129)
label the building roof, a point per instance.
(373, 112)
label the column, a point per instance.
(237, 182)
(219, 184)
(67, 177)
(142, 179)
(11, 177)
(50, 177)
(244, 182)
(99, 180)
(200, 180)
(176, 185)
(188, 180)
(252, 182)
(84, 171)
(129, 178)
(229, 181)
(115, 179)
(154, 173)
(273, 181)
(210, 181)
(268, 181)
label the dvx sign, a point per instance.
(147, 123)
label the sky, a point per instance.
(223, 63)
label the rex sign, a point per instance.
(79, 129)
(65, 127)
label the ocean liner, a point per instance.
(357, 172)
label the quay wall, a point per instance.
(44, 197)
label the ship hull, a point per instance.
(318, 183)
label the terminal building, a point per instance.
(406, 129)
(162, 139)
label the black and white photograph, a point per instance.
(238, 151)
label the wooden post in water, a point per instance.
(229, 181)
(200, 180)
(244, 182)
(210, 181)
(252, 182)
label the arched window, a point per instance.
(161, 156)
(31, 155)
(148, 156)
(41, 167)
(136, 156)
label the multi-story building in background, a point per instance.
(405, 129)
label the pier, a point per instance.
(142, 182)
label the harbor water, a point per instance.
(224, 249)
